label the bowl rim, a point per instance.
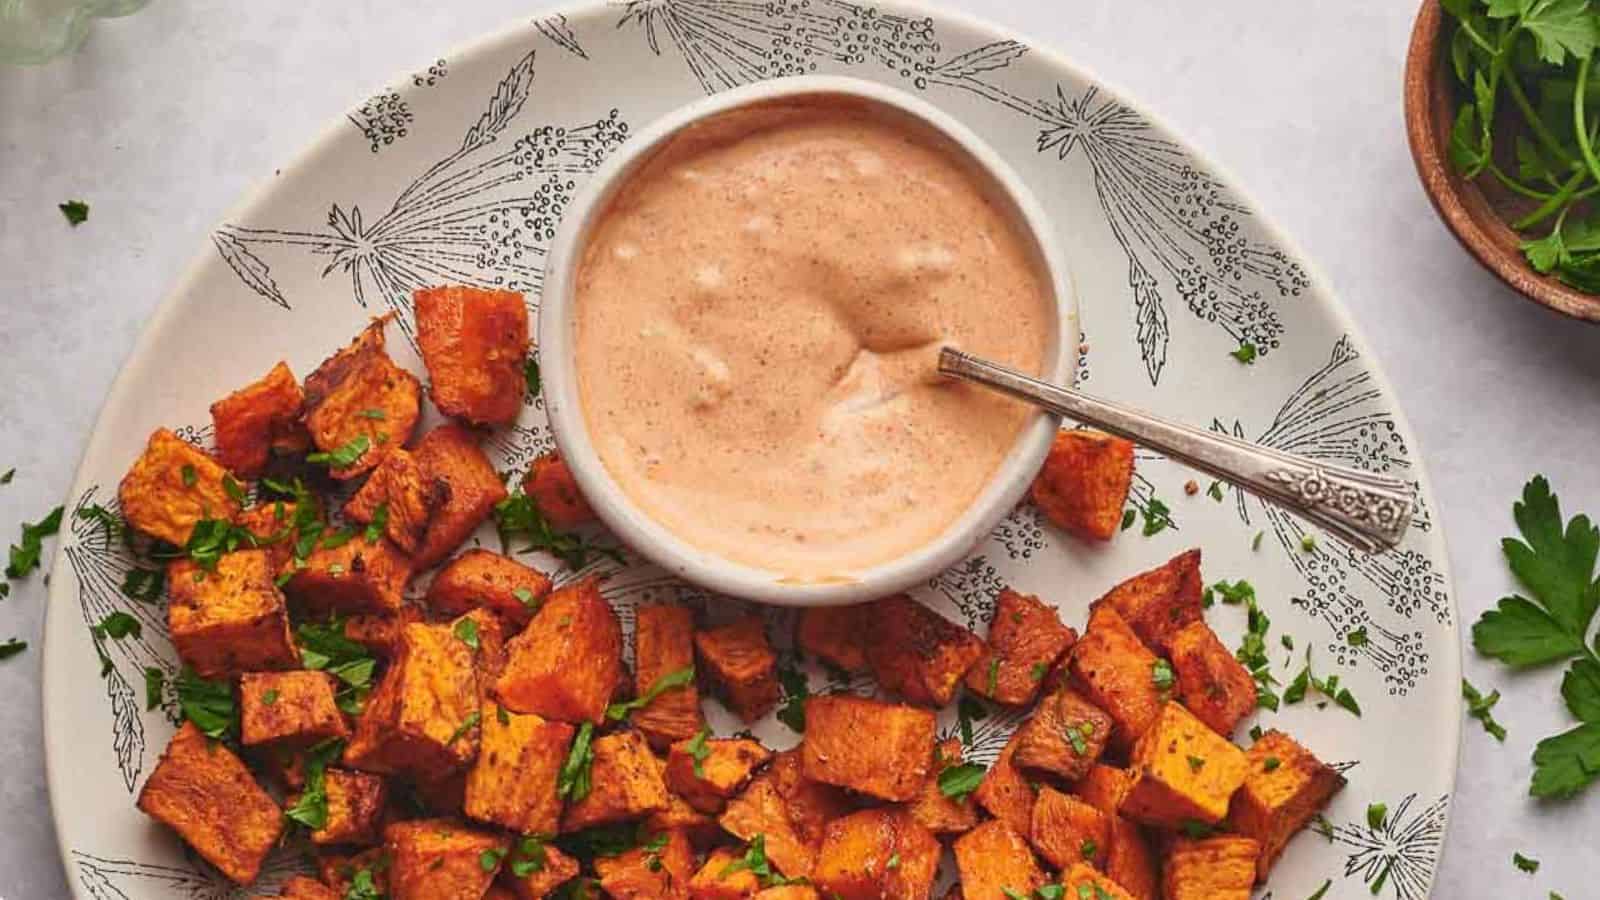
(1445, 188)
(654, 541)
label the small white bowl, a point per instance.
(647, 536)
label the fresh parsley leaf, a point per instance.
(380, 521)
(969, 710)
(1581, 689)
(519, 517)
(377, 415)
(526, 598)
(1161, 675)
(528, 855)
(616, 712)
(699, 751)
(1522, 635)
(1246, 353)
(345, 455)
(755, 862)
(155, 681)
(324, 647)
(796, 688)
(1560, 27)
(1358, 637)
(572, 783)
(310, 809)
(1128, 517)
(211, 539)
(489, 860)
(958, 781)
(189, 475)
(1481, 707)
(269, 697)
(1157, 517)
(530, 375)
(466, 631)
(1215, 491)
(1377, 814)
(1566, 763)
(466, 726)
(208, 704)
(7, 475)
(1327, 885)
(993, 681)
(12, 647)
(144, 585)
(75, 211)
(25, 556)
(116, 626)
(1524, 863)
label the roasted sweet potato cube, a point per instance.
(473, 341)
(881, 749)
(513, 782)
(302, 888)
(717, 880)
(354, 577)
(173, 485)
(1026, 638)
(995, 863)
(359, 400)
(484, 579)
(1286, 788)
(1160, 602)
(1005, 792)
(402, 495)
(706, 773)
(544, 869)
(272, 524)
(289, 709)
(1083, 881)
(1116, 672)
(917, 653)
(760, 810)
(1085, 482)
(423, 718)
(232, 620)
(441, 795)
(701, 829)
(856, 855)
(739, 660)
(1067, 830)
(663, 644)
(370, 867)
(1212, 682)
(451, 454)
(565, 665)
(249, 422)
(1216, 868)
(1130, 861)
(1182, 772)
(550, 483)
(203, 792)
(789, 892)
(1064, 737)
(1103, 787)
(380, 633)
(653, 871)
(931, 808)
(356, 802)
(836, 635)
(811, 804)
(440, 859)
(489, 657)
(625, 783)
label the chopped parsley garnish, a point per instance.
(528, 855)
(1215, 491)
(311, 807)
(796, 688)
(526, 598)
(1246, 353)
(1524, 863)
(1358, 637)
(75, 211)
(1088, 849)
(1328, 687)
(188, 474)
(957, 781)
(155, 682)
(755, 862)
(466, 631)
(1481, 707)
(116, 626)
(345, 455)
(518, 517)
(1037, 671)
(969, 710)
(530, 375)
(380, 520)
(5, 477)
(467, 724)
(325, 648)
(269, 697)
(993, 682)
(374, 414)
(699, 751)
(212, 538)
(1327, 884)
(1377, 814)
(208, 704)
(573, 781)
(25, 556)
(1255, 542)
(1078, 736)
(1196, 829)
(1157, 517)
(1308, 543)
(489, 860)
(144, 584)
(1271, 764)
(1161, 675)
(1196, 763)
(1128, 517)
(12, 647)
(616, 712)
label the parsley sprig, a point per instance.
(325, 648)
(573, 780)
(518, 517)
(310, 809)
(25, 556)
(616, 712)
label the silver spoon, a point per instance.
(1367, 511)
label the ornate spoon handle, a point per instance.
(1368, 511)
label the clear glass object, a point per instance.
(36, 31)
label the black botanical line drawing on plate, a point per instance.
(989, 733)
(971, 587)
(434, 74)
(383, 119)
(1337, 415)
(1401, 853)
(104, 878)
(558, 32)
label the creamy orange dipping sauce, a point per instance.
(758, 318)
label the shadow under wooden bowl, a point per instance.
(1477, 218)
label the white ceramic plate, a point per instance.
(459, 173)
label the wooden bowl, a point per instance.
(1476, 218)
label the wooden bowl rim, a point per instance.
(1445, 188)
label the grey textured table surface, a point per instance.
(164, 118)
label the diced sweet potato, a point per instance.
(789, 892)
(811, 804)
(1067, 830)
(1286, 788)
(443, 795)
(272, 524)
(625, 783)
(489, 659)
(423, 718)
(1103, 787)
(649, 872)
(1026, 638)
(1005, 792)
(380, 633)
(451, 454)
(546, 868)
(1083, 881)
(701, 829)
(708, 774)
(1085, 482)
(995, 863)
(440, 859)
(358, 398)
(473, 341)
(1160, 602)
(203, 792)
(1216, 868)
(289, 709)
(513, 782)
(1182, 772)
(356, 803)
(856, 855)
(232, 620)
(836, 635)
(1131, 862)
(401, 495)
(1064, 737)
(663, 643)
(931, 808)
(880, 749)
(1116, 672)
(482, 578)
(760, 810)
(251, 421)
(739, 660)
(303, 888)
(369, 867)
(173, 485)
(550, 483)
(565, 665)
(716, 880)
(917, 653)
(1212, 682)
(354, 577)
